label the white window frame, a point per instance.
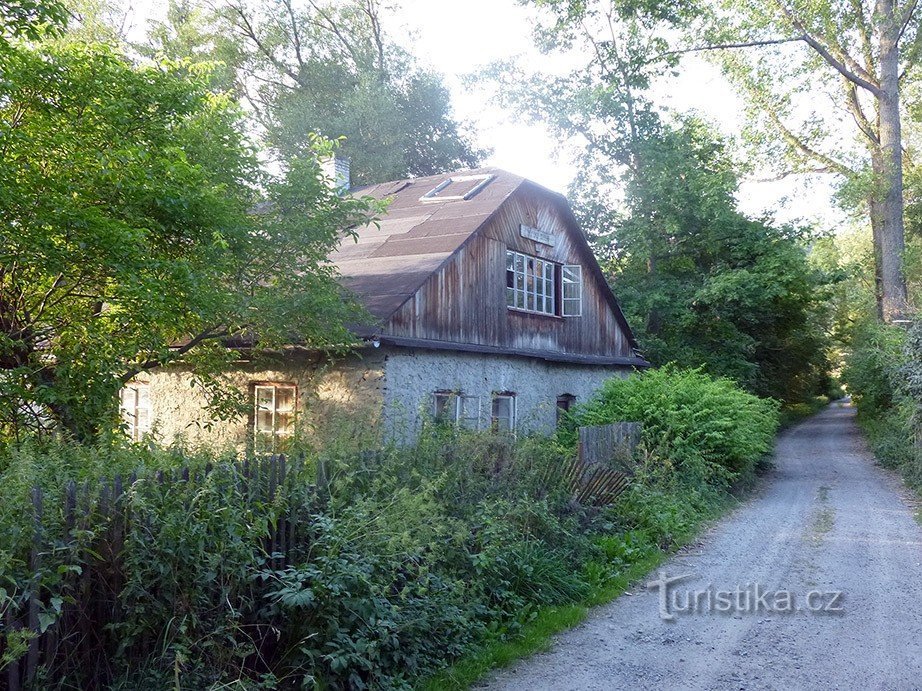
(466, 408)
(494, 420)
(534, 287)
(275, 435)
(468, 411)
(130, 398)
(571, 276)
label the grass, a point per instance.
(537, 634)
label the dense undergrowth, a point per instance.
(462, 550)
(884, 376)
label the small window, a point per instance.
(530, 283)
(135, 406)
(457, 188)
(565, 402)
(445, 406)
(503, 415)
(273, 416)
(455, 407)
(469, 411)
(572, 290)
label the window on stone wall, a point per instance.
(135, 407)
(565, 402)
(502, 419)
(274, 406)
(445, 406)
(457, 408)
(469, 411)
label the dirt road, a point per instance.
(826, 521)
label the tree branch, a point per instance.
(725, 46)
(854, 107)
(250, 32)
(864, 80)
(208, 334)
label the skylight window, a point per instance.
(457, 188)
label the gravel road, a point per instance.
(826, 520)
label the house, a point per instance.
(488, 310)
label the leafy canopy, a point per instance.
(128, 238)
(700, 282)
(330, 68)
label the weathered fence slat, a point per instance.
(611, 445)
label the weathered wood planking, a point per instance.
(465, 300)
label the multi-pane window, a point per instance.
(503, 416)
(455, 407)
(273, 415)
(135, 406)
(469, 411)
(530, 283)
(571, 284)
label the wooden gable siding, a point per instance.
(465, 301)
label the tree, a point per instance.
(128, 241)
(329, 68)
(188, 34)
(859, 54)
(701, 283)
(30, 19)
(704, 284)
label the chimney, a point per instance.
(336, 169)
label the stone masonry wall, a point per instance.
(344, 398)
(412, 375)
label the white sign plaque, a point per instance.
(545, 237)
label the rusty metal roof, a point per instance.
(386, 265)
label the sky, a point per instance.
(458, 38)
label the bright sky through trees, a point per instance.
(457, 39)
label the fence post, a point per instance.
(35, 564)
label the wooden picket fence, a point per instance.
(612, 445)
(602, 468)
(96, 583)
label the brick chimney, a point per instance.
(336, 169)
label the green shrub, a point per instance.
(709, 428)
(871, 367)
(405, 559)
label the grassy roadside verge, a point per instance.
(536, 635)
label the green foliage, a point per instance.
(128, 240)
(30, 20)
(700, 282)
(883, 374)
(463, 548)
(708, 427)
(329, 68)
(871, 367)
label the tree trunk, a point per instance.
(875, 215)
(892, 244)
